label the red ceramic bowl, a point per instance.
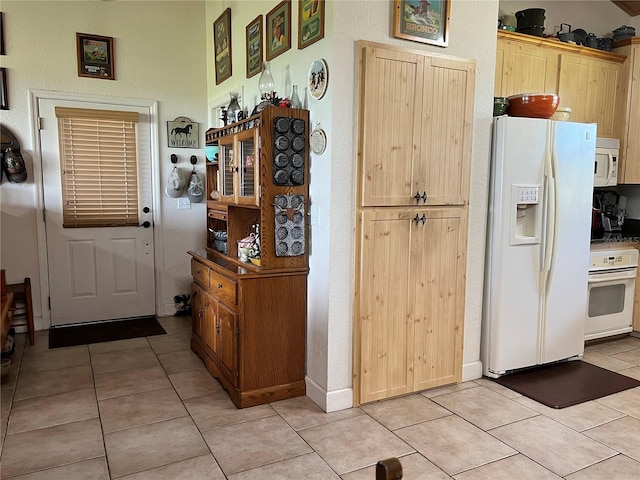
(535, 105)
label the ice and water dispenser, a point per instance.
(526, 214)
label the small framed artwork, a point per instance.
(422, 21)
(254, 47)
(310, 22)
(95, 56)
(183, 133)
(2, 34)
(4, 99)
(222, 46)
(278, 29)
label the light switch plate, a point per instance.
(184, 203)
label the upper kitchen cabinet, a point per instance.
(418, 112)
(587, 80)
(628, 108)
(590, 87)
(522, 67)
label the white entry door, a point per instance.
(97, 273)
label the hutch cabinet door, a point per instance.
(436, 296)
(386, 328)
(197, 313)
(389, 124)
(227, 332)
(227, 170)
(210, 337)
(247, 181)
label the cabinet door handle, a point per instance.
(219, 285)
(198, 272)
(424, 197)
(416, 219)
(218, 329)
(424, 218)
(417, 197)
(200, 313)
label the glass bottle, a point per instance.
(295, 100)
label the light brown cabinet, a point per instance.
(627, 112)
(416, 148)
(411, 299)
(249, 320)
(586, 80)
(414, 116)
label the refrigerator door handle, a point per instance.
(550, 213)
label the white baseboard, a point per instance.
(329, 401)
(471, 371)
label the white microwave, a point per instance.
(606, 165)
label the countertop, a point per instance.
(629, 235)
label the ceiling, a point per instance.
(632, 7)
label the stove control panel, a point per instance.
(607, 260)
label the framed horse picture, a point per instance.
(95, 56)
(222, 46)
(424, 21)
(183, 133)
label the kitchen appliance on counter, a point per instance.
(612, 280)
(606, 166)
(535, 299)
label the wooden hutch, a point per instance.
(249, 317)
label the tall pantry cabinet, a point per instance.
(415, 113)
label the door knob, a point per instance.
(145, 224)
(146, 210)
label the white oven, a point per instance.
(612, 280)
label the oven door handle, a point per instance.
(613, 276)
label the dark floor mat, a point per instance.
(565, 384)
(104, 331)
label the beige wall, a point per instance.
(159, 53)
(331, 278)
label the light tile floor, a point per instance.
(147, 409)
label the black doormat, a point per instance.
(104, 331)
(565, 384)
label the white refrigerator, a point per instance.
(538, 238)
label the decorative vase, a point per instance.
(295, 100)
(233, 109)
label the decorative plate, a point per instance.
(318, 78)
(318, 140)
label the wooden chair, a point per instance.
(23, 306)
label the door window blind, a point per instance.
(99, 167)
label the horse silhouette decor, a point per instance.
(183, 133)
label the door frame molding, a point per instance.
(34, 114)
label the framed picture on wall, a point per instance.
(310, 22)
(278, 29)
(4, 101)
(424, 21)
(95, 56)
(1, 34)
(222, 46)
(254, 47)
